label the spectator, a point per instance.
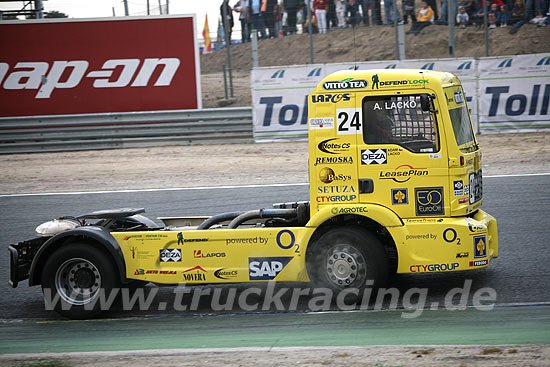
(492, 19)
(505, 16)
(389, 8)
(444, 5)
(242, 8)
(408, 10)
(471, 8)
(365, 5)
(256, 19)
(433, 4)
(462, 17)
(341, 12)
(227, 21)
(268, 11)
(424, 18)
(278, 19)
(332, 22)
(352, 13)
(378, 12)
(290, 7)
(478, 17)
(320, 7)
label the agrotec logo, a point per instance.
(69, 74)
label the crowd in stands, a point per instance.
(275, 18)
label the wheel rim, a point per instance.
(344, 265)
(77, 281)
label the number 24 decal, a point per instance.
(349, 121)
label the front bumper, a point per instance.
(21, 256)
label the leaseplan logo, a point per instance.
(506, 63)
(278, 74)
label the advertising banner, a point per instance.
(514, 93)
(279, 94)
(74, 66)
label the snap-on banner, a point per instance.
(279, 94)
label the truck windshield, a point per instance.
(460, 119)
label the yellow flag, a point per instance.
(206, 36)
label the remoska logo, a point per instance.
(379, 156)
(69, 74)
(266, 268)
(345, 84)
(223, 273)
(198, 254)
(331, 147)
(170, 255)
(332, 98)
(403, 173)
(433, 267)
(327, 175)
(333, 160)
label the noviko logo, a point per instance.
(391, 66)
(69, 74)
(506, 63)
(314, 72)
(544, 61)
(465, 65)
(278, 74)
(428, 66)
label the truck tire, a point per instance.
(73, 278)
(347, 257)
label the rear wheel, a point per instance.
(76, 278)
(348, 257)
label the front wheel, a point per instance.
(78, 281)
(348, 257)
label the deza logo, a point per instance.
(266, 268)
(69, 74)
(170, 255)
(348, 83)
(332, 98)
(378, 156)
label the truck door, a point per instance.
(401, 161)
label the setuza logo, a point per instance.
(69, 74)
(266, 268)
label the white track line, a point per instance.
(213, 187)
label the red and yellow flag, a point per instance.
(206, 36)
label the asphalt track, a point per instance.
(520, 203)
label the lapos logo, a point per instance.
(197, 254)
(333, 98)
(327, 175)
(69, 74)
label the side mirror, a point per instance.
(425, 102)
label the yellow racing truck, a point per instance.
(395, 187)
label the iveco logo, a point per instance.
(69, 74)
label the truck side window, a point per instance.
(399, 120)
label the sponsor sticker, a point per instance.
(345, 84)
(378, 156)
(458, 188)
(170, 255)
(225, 273)
(399, 196)
(480, 247)
(429, 201)
(478, 263)
(316, 123)
(266, 268)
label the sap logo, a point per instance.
(314, 72)
(544, 61)
(379, 156)
(332, 98)
(518, 104)
(278, 74)
(465, 65)
(266, 268)
(170, 255)
(289, 114)
(69, 74)
(391, 66)
(506, 63)
(428, 66)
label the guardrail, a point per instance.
(124, 130)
